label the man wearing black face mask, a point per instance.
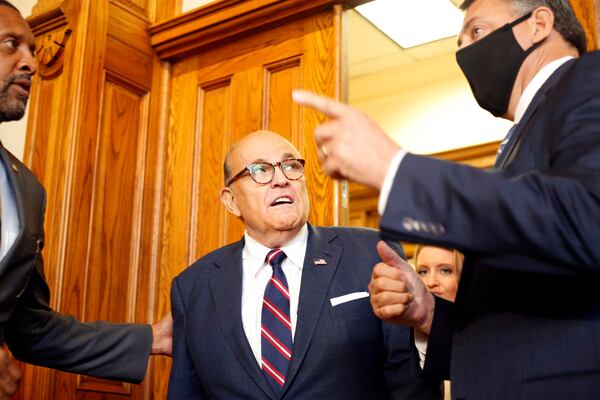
(526, 323)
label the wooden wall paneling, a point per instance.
(321, 73)
(44, 5)
(222, 92)
(280, 113)
(48, 152)
(94, 143)
(178, 179)
(228, 20)
(588, 13)
(112, 264)
(84, 128)
(139, 6)
(47, 144)
(156, 380)
(147, 133)
(211, 141)
(264, 69)
(161, 10)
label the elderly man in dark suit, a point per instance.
(284, 313)
(526, 323)
(33, 331)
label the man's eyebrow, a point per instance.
(287, 156)
(463, 30)
(259, 160)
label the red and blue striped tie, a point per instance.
(276, 325)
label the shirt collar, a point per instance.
(535, 84)
(295, 250)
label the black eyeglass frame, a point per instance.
(248, 168)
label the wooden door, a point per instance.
(588, 13)
(93, 140)
(222, 91)
(129, 123)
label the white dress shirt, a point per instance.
(10, 218)
(256, 275)
(524, 101)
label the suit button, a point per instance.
(438, 229)
(407, 224)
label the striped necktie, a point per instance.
(276, 325)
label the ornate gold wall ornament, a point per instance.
(51, 48)
(52, 31)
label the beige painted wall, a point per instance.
(188, 5)
(426, 107)
(12, 134)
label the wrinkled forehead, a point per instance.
(262, 148)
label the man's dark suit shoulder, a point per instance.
(363, 240)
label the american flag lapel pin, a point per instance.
(319, 261)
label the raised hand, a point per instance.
(351, 145)
(398, 294)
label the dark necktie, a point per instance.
(503, 145)
(276, 325)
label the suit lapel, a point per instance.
(537, 100)
(226, 288)
(314, 287)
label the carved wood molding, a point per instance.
(53, 31)
(227, 19)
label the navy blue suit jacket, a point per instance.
(341, 352)
(526, 323)
(37, 334)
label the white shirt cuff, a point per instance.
(421, 345)
(384, 194)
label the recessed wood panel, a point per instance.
(280, 113)
(114, 228)
(212, 137)
(112, 266)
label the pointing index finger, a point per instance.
(327, 106)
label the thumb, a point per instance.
(390, 257)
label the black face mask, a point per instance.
(491, 66)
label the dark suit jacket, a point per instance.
(527, 317)
(33, 331)
(341, 352)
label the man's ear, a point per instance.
(543, 18)
(228, 200)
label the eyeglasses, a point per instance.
(263, 172)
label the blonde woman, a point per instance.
(439, 268)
